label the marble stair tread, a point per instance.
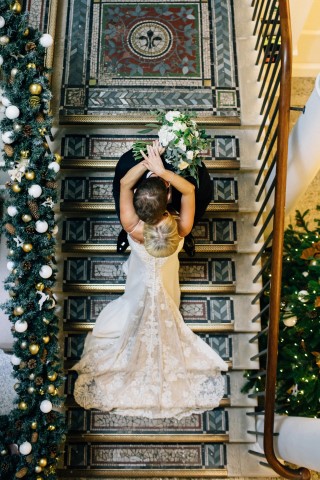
(147, 474)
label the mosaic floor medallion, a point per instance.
(125, 57)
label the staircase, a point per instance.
(218, 290)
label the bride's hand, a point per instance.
(153, 161)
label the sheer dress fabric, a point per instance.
(141, 359)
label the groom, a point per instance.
(203, 196)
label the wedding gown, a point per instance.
(141, 359)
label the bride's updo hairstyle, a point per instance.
(161, 240)
(150, 200)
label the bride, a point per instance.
(141, 359)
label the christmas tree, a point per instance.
(298, 382)
(36, 426)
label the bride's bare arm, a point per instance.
(128, 216)
(154, 163)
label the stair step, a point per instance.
(209, 424)
(148, 474)
(108, 287)
(222, 344)
(105, 165)
(112, 248)
(69, 206)
(147, 438)
(214, 327)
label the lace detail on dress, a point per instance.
(157, 367)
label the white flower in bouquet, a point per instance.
(182, 139)
(181, 145)
(166, 136)
(171, 115)
(189, 154)
(179, 126)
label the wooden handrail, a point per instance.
(277, 246)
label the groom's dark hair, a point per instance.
(150, 200)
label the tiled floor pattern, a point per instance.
(39, 12)
(111, 147)
(105, 230)
(147, 54)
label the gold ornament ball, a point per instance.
(18, 311)
(57, 157)
(314, 263)
(12, 294)
(51, 388)
(24, 153)
(38, 469)
(30, 390)
(23, 345)
(14, 72)
(46, 339)
(51, 428)
(31, 65)
(39, 478)
(16, 187)
(15, 271)
(35, 89)
(3, 452)
(22, 406)
(26, 218)
(52, 376)
(46, 321)
(27, 247)
(16, 7)
(42, 131)
(34, 426)
(41, 391)
(40, 286)
(43, 462)
(11, 251)
(34, 348)
(4, 40)
(45, 145)
(26, 32)
(30, 175)
(16, 385)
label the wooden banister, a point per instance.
(277, 246)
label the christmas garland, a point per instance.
(36, 427)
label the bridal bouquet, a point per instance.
(182, 139)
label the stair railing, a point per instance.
(274, 56)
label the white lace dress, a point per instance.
(141, 359)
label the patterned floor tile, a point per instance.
(142, 456)
(150, 55)
(195, 309)
(109, 270)
(99, 189)
(105, 230)
(111, 147)
(39, 11)
(94, 421)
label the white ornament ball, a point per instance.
(2, 22)
(41, 226)
(25, 448)
(14, 71)
(12, 210)
(7, 137)
(15, 360)
(5, 101)
(290, 322)
(45, 406)
(12, 112)
(21, 326)
(303, 296)
(35, 191)
(45, 271)
(46, 40)
(1, 60)
(305, 274)
(10, 265)
(55, 230)
(54, 166)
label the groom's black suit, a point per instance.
(203, 193)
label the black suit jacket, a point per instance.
(203, 193)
